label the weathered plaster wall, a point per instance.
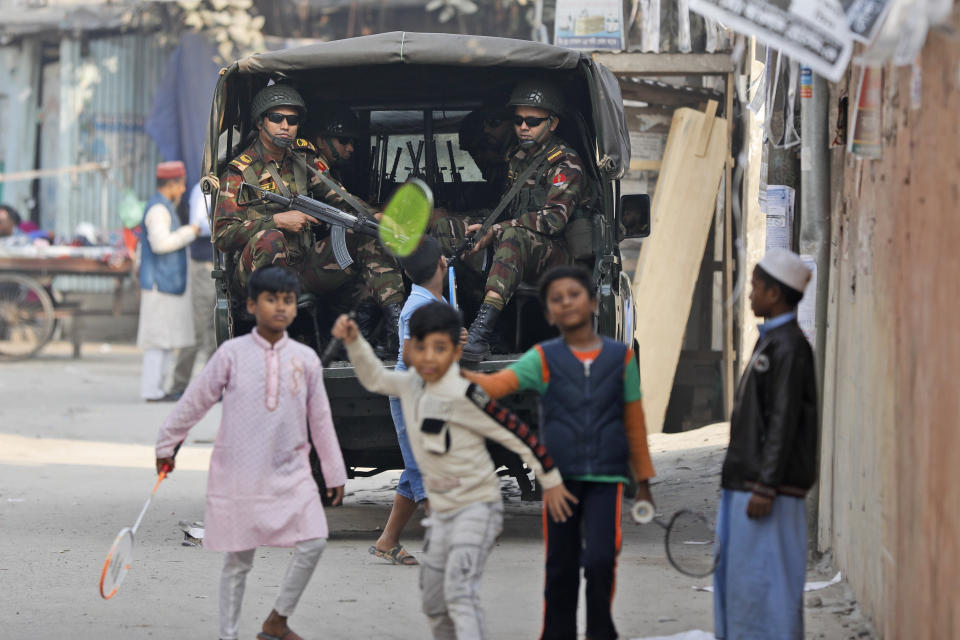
(890, 500)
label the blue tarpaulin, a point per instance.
(181, 108)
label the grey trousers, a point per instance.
(456, 550)
(233, 580)
(203, 297)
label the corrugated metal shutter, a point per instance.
(117, 80)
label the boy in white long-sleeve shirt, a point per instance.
(448, 419)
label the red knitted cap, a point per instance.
(171, 170)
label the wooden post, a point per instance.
(729, 355)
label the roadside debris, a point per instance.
(192, 533)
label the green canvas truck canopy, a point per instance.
(422, 67)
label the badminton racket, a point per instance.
(405, 217)
(689, 539)
(120, 556)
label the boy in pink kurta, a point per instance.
(260, 489)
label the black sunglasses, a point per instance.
(345, 141)
(531, 121)
(276, 118)
(493, 122)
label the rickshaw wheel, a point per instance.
(26, 317)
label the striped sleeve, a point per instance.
(501, 425)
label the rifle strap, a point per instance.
(275, 176)
(334, 186)
(536, 164)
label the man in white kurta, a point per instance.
(166, 313)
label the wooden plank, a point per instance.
(706, 129)
(65, 266)
(645, 165)
(666, 64)
(729, 350)
(670, 259)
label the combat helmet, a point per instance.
(332, 121)
(534, 92)
(276, 95)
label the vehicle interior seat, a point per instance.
(525, 294)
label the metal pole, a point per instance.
(815, 232)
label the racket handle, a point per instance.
(165, 469)
(642, 512)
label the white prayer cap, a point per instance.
(787, 267)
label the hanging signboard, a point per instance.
(813, 32)
(865, 17)
(590, 25)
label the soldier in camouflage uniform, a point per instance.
(263, 234)
(530, 236)
(336, 132)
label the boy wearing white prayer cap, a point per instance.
(770, 465)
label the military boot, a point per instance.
(390, 345)
(478, 340)
(368, 317)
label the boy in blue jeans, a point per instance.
(426, 268)
(592, 424)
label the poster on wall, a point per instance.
(813, 32)
(807, 309)
(591, 25)
(865, 131)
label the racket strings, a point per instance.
(690, 544)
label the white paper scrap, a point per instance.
(685, 635)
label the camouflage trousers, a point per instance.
(517, 255)
(374, 273)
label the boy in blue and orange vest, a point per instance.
(592, 424)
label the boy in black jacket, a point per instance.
(770, 465)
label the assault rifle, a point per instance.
(338, 220)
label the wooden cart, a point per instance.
(29, 314)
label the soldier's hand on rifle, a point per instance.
(294, 221)
(345, 329)
(484, 241)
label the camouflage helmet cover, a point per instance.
(537, 93)
(276, 95)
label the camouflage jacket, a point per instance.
(234, 226)
(551, 196)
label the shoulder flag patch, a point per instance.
(322, 166)
(559, 180)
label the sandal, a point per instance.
(287, 635)
(397, 555)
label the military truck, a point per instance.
(412, 90)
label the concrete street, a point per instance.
(76, 464)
